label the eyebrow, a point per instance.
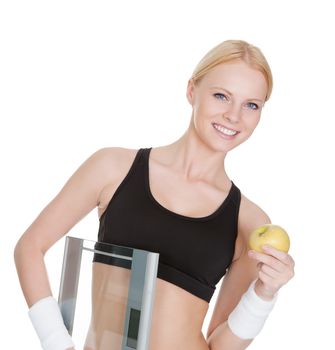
(220, 88)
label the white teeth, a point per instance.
(224, 130)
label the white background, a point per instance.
(79, 76)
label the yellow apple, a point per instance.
(269, 234)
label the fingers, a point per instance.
(282, 256)
(269, 260)
(274, 255)
(269, 271)
(275, 268)
(268, 281)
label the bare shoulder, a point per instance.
(115, 162)
(113, 155)
(250, 217)
(113, 159)
(105, 166)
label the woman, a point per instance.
(179, 201)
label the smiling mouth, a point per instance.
(225, 131)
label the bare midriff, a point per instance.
(177, 317)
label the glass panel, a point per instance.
(106, 294)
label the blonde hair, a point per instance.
(231, 50)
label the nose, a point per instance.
(233, 114)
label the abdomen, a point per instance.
(177, 316)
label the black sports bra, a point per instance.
(194, 252)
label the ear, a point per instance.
(190, 91)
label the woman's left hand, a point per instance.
(276, 268)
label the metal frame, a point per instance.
(141, 293)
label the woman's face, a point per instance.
(227, 104)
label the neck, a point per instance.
(195, 160)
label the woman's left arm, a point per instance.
(235, 321)
(275, 269)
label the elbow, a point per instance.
(19, 252)
(214, 328)
(213, 333)
(209, 333)
(25, 248)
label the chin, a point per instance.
(226, 147)
(220, 148)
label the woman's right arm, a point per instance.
(76, 199)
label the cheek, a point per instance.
(252, 120)
(209, 109)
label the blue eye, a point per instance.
(220, 96)
(252, 105)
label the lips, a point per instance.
(224, 130)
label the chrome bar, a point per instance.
(69, 280)
(108, 254)
(148, 301)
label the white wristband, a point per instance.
(250, 314)
(47, 320)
